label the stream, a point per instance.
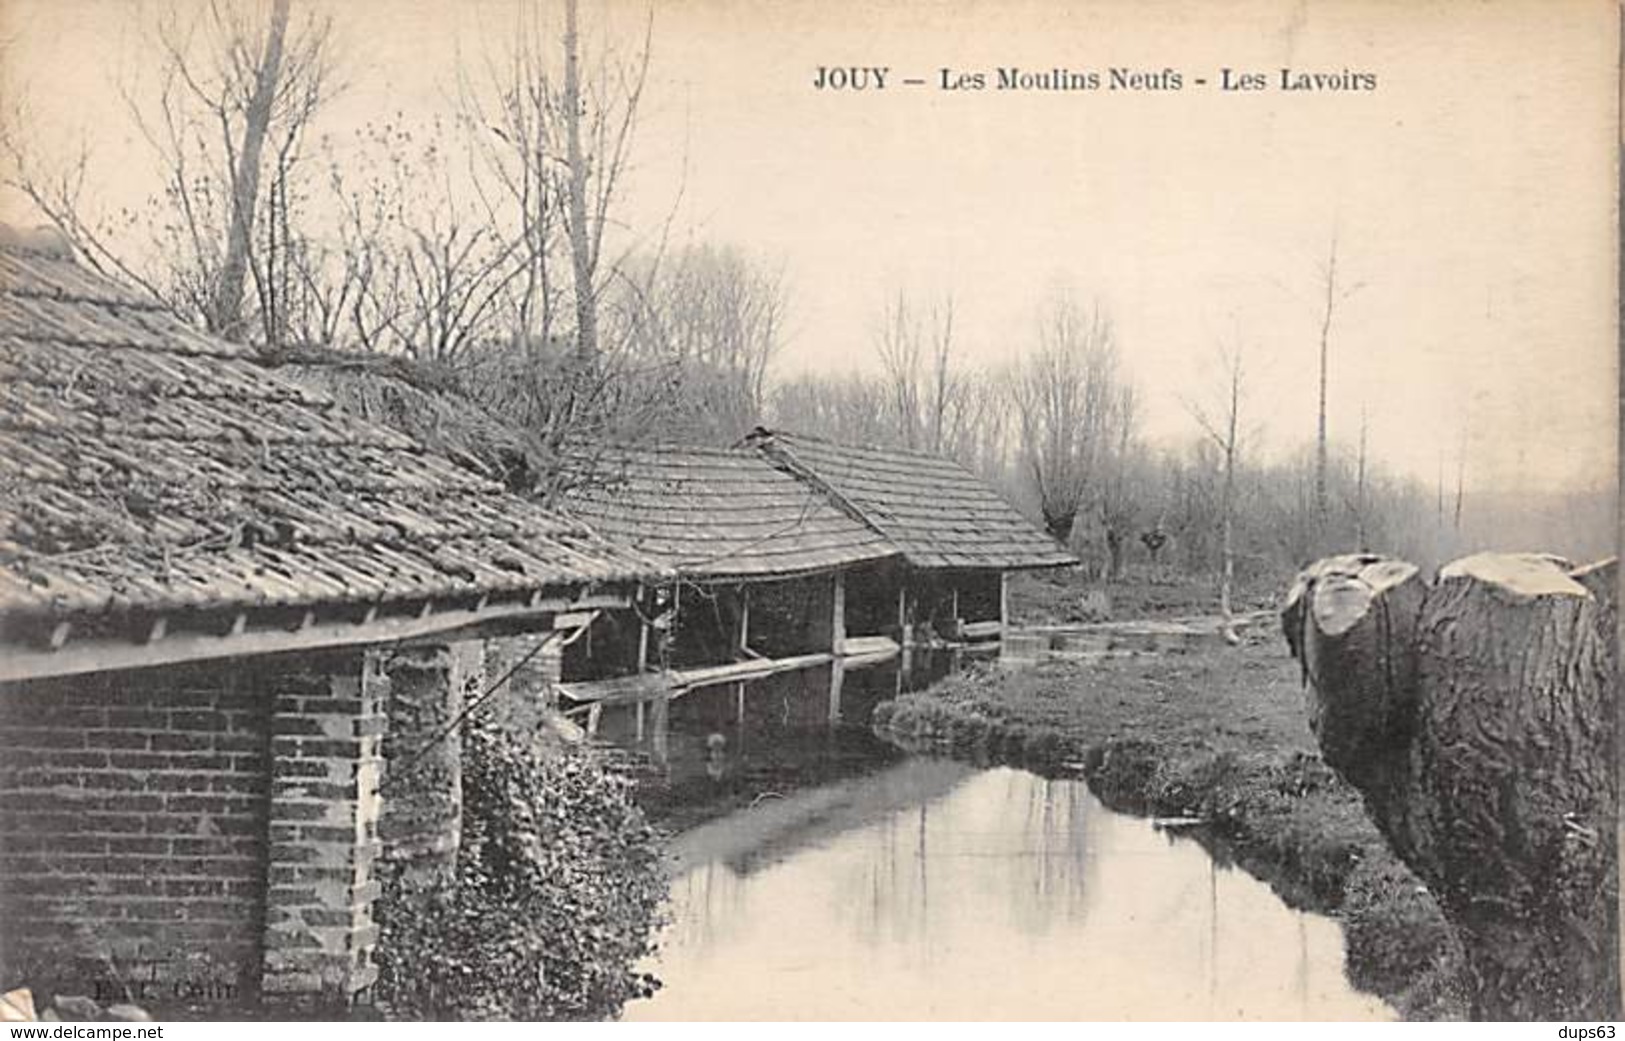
(917, 888)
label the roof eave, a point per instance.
(46, 647)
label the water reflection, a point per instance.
(934, 890)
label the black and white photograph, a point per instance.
(919, 511)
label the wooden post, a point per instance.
(837, 644)
(643, 665)
(905, 665)
(660, 746)
(1004, 609)
(741, 640)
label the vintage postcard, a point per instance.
(672, 510)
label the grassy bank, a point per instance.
(1218, 735)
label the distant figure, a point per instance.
(1154, 540)
(716, 760)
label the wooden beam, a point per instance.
(629, 689)
(864, 651)
(173, 648)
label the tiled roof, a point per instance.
(938, 514)
(716, 513)
(145, 464)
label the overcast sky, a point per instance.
(1471, 191)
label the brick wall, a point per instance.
(209, 835)
(327, 765)
(133, 830)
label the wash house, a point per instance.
(760, 610)
(957, 541)
(226, 613)
(813, 579)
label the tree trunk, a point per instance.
(581, 258)
(1321, 508)
(1114, 554)
(1476, 716)
(1227, 511)
(1343, 614)
(227, 317)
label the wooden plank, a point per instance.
(982, 630)
(628, 689)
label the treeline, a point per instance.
(1057, 427)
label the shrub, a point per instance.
(557, 894)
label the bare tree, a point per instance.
(1361, 534)
(849, 408)
(1222, 425)
(1117, 493)
(237, 88)
(1064, 392)
(1333, 293)
(915, 347)
(716, 317)
(552, 131)
(897, 342)
(227, 306)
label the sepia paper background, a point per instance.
(1472, 194)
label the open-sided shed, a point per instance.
(958, 537)
(762, 560)
(795, 557)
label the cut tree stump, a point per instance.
(1476, 716)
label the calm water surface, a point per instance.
(936, 890)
